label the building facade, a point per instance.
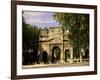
(54, 42)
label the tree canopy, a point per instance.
(30, 42)
(78, 26)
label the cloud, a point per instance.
(39, 18)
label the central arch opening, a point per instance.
(56, 54)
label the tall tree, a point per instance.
(78, 26)
(30, 41)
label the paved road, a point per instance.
(55, 65)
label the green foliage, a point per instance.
(30, 42)
(30, 37)
(78, 26)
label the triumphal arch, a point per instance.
(54, 41)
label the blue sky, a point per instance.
(40, 19)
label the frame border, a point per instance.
(14, 4)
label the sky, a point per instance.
(40, 19)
